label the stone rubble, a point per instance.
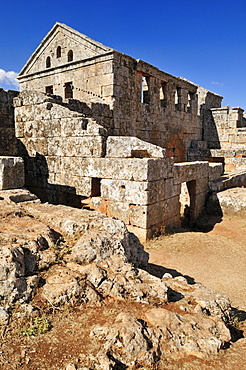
(104, 261)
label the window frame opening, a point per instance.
(145, 89)
(68, 90)
(49, 90)
(95, 187)
(163, 94)
(70, 56)
(58, 52)
(191, 98)
(48, 62)
(178, 94)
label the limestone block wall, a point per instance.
(231, 131)
(58, 45)
(145, 102)
(67, 152)
(207, 99)
(7, 126)
(155, 106)
(90, 80)
(53, 137)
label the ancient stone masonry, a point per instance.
(7, 125)
(123, 177)
(145, 102)
(231, 131)
(101, 129)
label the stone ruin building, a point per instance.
(102, 130)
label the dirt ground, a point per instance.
(217, 259)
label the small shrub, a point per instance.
(41, 326)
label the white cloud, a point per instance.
(217, 83)
(9, 78)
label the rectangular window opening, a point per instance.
(49, 90)
(145, 89)
(191, 97)
(178, 94)
(68, 90)
(96, 187)
(163, 94)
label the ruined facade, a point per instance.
(119, 133)
(141, 100)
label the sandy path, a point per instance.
(216, 259)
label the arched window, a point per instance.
(70, 56)
(68, 90)
(48, 62)
(58, 52)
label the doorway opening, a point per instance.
(187, 201)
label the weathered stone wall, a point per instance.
(67, 151)
(146, 103)
(48, 131)
(230, 143)
(91, 81)
(155, 106)
(66, 56)
(7, 126)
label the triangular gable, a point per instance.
(96, 48)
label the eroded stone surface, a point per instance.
(102, 261)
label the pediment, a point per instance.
(67, 39)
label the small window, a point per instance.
(178, 95)
(191, 98)
(95, 187)
(49, 90)
(58, 52)
(70, 56)
(145, 91)
(68, 90)
(48, 62)
(163, 94)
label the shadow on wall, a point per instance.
(36, 181)
(211, 215)
(101, 113)
(7, 124)
(209, 129)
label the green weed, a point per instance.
(40, 326)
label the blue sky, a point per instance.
(203, 41)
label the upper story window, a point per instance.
(48, 62)
(191, 99)
(70, 56)
(58, 52)
(145, 91)
(178, 95)
(163, 94)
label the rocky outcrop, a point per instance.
(86, 257)
(233, 201)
